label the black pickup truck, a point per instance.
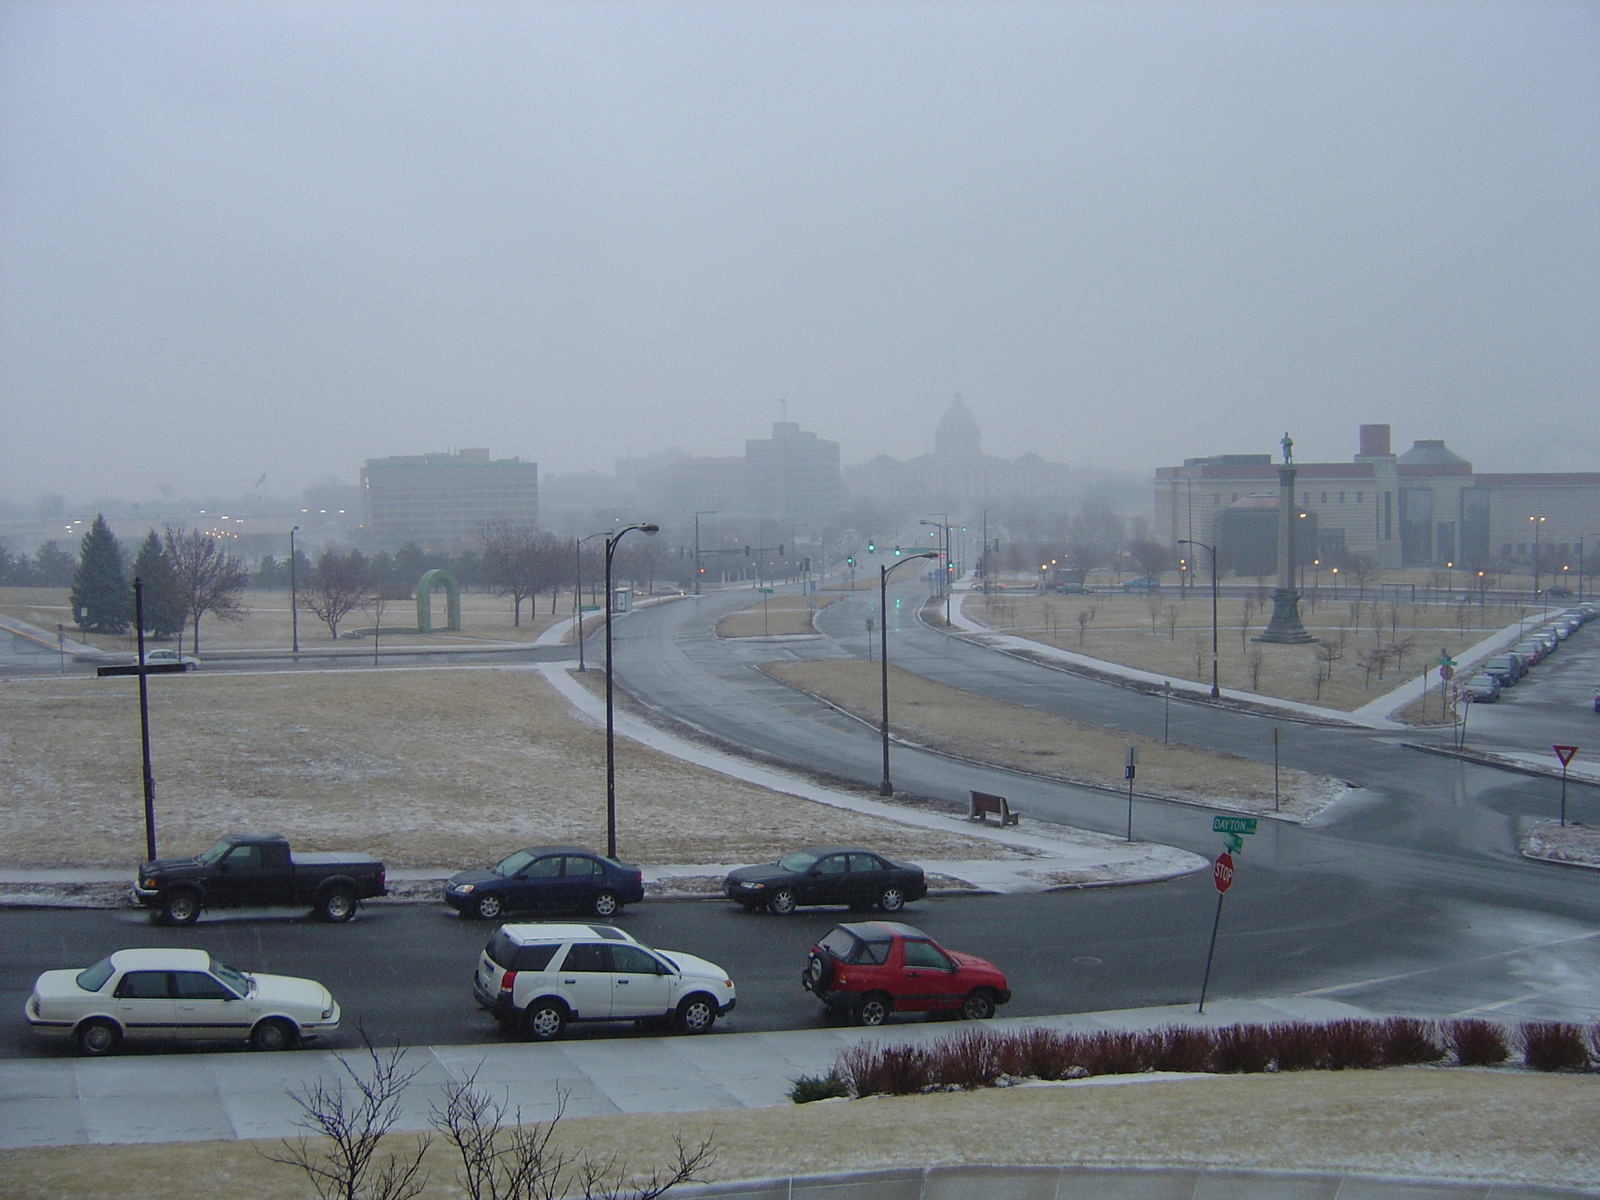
(248, 870)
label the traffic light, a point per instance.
(871, 548)
(849, 561)
(747, 551)
(897, 551)
(780, 549)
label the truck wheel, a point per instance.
(97, 1038)
(337, 904)
(273, 1035)
(489, 906)
(873, 1010)
(782, 902)
(697, 1014)
(545, 1021)
(605, 905)
(180, 908)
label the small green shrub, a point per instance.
(817, 1087)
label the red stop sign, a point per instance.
(1222, 872)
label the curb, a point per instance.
(1484, 758)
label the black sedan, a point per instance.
(827, 875)
(565, 877)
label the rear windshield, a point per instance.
(502, 950)
(94, 978)
(848, 948)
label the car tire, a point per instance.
(273, 1035)
(782, 902)
(978, 1006)
(819, 971)
(873, 1010)
(697, 1014)
(546, 1021)
(892, 900)
(488, 907)
(605, 905)
(337, 905)
(97, 1038)
(180, 907)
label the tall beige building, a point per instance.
(440, 501)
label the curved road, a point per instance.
(1406, 896)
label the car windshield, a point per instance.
(512, 863)
(237, 980)
(94, 978)
(800, 860)
(214, 855)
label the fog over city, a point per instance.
(275, 240)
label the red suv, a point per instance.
(877, 967)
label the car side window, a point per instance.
(578, 866)
(197, 985)
(246, 858)
(865, 862)
(587, 956)
(143, 985)
(535, 958)
(925, 954)
(543, 868)
(834, 864)
(630, 960)
(875, 953)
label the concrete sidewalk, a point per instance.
(62, 1100)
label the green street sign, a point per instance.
(590, 608)
(1233, 842)
(1233, 824)
(765, 591)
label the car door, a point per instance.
(869, 875)
(641, 986)
(581, 878)
(238, 879)
(143, 1005)
(206, 1008)
(537, 885)
(829, 881)
(585, 980)
(930, 977)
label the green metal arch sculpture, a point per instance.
(452, 600)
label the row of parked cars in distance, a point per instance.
(1507, 669)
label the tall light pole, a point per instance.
(1216, 692)
(577, 591)
(611, 754)
(886, 788)
(704, 512)
(1537, 523)
(294, 594)
(943, 525)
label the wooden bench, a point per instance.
(983, 803)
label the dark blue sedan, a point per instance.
(561, 877)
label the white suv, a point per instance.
(538, 978)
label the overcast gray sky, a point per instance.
(280, 238)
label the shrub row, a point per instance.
(981, 1058)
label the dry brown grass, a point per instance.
(775, 616)
(1123, 629)
(1445, 1123)
(427, 767)
(1010, 735)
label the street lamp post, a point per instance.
(611, 755)
(943, 525)
(886, 788)
(1216, 692)
(704, 512)
(294, 594)
(1537, 523)
(577, 591)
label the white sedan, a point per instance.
(155, 657)
(162, 995)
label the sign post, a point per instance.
(1564, 753)
(1276, 802)
(1447, 669)
(1129, 767)
(1222, 877)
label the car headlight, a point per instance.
(463, 888)
(327, 1014)
(753, 887)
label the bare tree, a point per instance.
(1246, 611)
(1170, 615)
(511, 563)
(1198, 645)
(1256, 661)
(1327, 655)
(1368, 661)
(1363, 567)
(207, 579)
(1154, 606)
(354, 1118)
(1401, 649)
(1085, 615)
(338, 587)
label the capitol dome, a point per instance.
(957, 435)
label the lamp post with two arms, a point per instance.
(611, 754)
(886, 788)
(1216, 691)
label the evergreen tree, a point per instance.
(52, 567)
(163, 606)
(102, 601)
